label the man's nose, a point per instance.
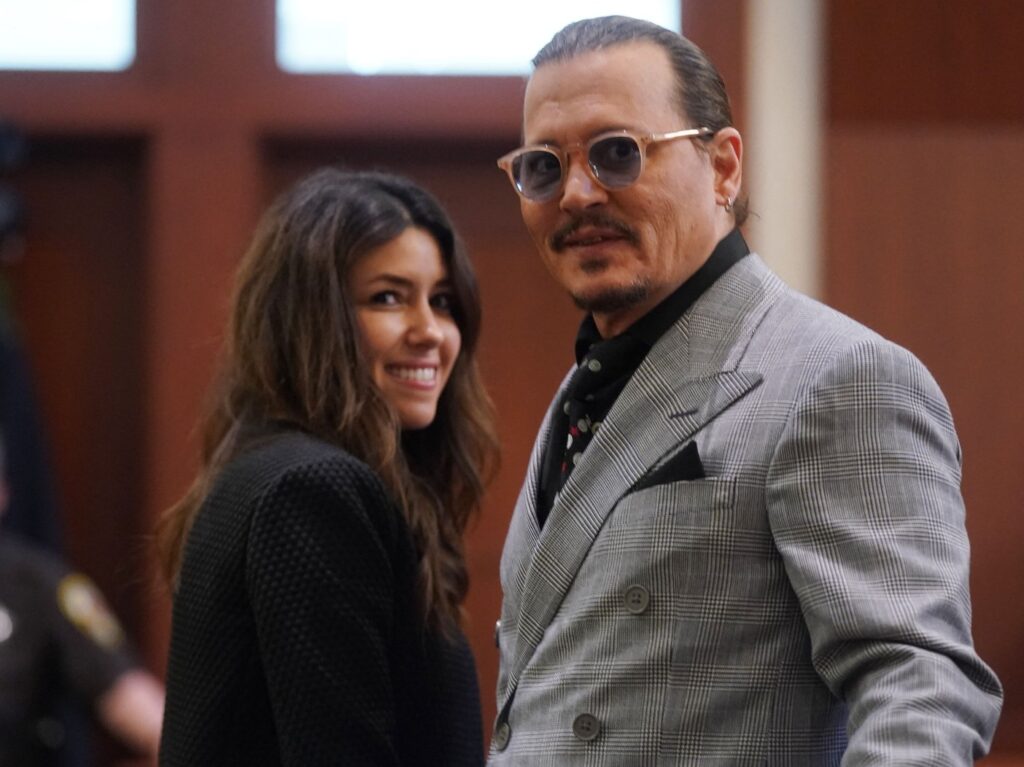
(581, 189)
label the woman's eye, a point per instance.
(385, 298)
(444, 302)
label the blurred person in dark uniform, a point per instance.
(57, 635)
(31, 502)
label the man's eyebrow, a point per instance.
(590, 136)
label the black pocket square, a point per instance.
(684, 465)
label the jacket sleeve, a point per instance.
(865, 505)
(321, 580)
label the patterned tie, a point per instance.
(602, 374)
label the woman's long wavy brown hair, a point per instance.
(292, 357)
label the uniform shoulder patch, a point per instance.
(6, 624)
(83, 605)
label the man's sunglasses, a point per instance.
(616, 160)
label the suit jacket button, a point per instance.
(636, 599)
(497, 633)
(586, 727)
(502, 735)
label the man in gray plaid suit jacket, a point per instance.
(745, 545)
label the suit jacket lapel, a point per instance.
(687, 379)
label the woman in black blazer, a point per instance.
(317, 559)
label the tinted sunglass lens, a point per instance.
(616, 161)
(538, 174)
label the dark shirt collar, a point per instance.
(653, 325)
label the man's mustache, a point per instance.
(576, 223)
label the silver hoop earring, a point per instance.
(728, 205)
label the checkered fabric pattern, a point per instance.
(803, 603)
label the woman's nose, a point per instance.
(424, 328)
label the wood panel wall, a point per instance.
(77, 292)
(924, 178)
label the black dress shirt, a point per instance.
(605, 365)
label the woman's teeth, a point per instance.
(413, 374)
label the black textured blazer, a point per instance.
(296, 639)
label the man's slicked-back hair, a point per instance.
(701, 94)
(701, 91)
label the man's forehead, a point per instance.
(633, 60)
(608, 85)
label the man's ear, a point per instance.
(726, 150)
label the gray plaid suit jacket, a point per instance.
(804, 604)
